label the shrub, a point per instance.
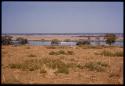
(70, 52)
(6, 40)
(110, 38)
(35, 64)
(96, 66)
(27, 47)
(61, 52)
(67, 40)
(17, 66)
(57, 64)
(29, 65)
(22, 40)
(80, 66)
(43, 70)
(108, 53)
(55, 42)
(52, 53)
(63, 70)
(32, 55)
(56, 53)
(83, 42)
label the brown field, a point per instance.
(26, 64)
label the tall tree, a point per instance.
(110, 38)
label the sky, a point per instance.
(62, 17)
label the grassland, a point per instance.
(62, 65)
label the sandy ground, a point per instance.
(113, 74)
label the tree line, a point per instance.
(109, 39)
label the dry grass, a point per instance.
(31, 55)
(61, 52)
(72, 65)
(91, 47)
(96, 66)
(112, 54)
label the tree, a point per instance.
(7, 40)
(110, 38)
(22, 40)
(55, 42)
(83, 42)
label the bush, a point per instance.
(61, 52)
(63, 70)
(32, 55)
(35, 64)
(7, 40)
(67, 40)
(22, 40)
(43, 70)
(55, 42)
(110, 38)
(80, 66)
(29, 65)
(56, 53)
(96, 66)
(17, 66)
(53, 53)
(90, 47)
(83, 42)
(70, 52)
(108, 53)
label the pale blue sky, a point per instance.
(62, 17)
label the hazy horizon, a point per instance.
(62, 17)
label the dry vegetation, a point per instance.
(62, 64)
